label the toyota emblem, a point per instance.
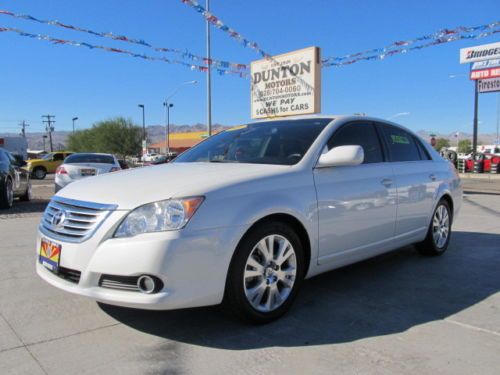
(58, 219)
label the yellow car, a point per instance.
(39, 168)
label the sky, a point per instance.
(39, 78)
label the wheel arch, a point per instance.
(290, 220)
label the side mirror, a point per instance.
(342, 156)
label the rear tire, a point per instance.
(438, 236)
(39, 173)
(7, 194)
(261, 286)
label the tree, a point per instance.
(117, 136)
(441, 142)
(464, 146)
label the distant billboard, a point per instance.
(480, 53)
(286, 85)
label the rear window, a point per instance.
(89, 158)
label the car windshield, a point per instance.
(275, 142)
(47, 157)
(89, 158)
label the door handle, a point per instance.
(386, 182)
(432, 177)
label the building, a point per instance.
(178, 142)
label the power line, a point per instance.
(49, 128)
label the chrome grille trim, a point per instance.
(126, 283)
(80, 219)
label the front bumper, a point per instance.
(191, 264)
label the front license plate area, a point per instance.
(50, 255)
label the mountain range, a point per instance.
(156, 133)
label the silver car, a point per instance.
(248, 214)
(83, 165)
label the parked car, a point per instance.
(246, 215)
(150, 157)
(14, 180)
(47, 164)
(83, 165)
(162, 159)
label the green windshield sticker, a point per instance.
(400, 139)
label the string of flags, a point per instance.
(398, 47)
(186, 55)
(218, 23)
(405, 46)
(59, 41)
(242, 70)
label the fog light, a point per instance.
(147, 284)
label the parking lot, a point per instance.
(398, 313)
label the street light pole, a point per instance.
(144, 145)
(74, 119)
(209, 77)
(167, 129)
(168, 105)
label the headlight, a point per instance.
(171, 214)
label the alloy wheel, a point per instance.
(10, 193)
(270, 272)
(441, 226)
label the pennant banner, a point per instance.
(217, 22)
(48, 38)
(405, 46)
(440, 37)
(218, 64)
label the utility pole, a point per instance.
(209, 77)
(23, 126)
(49, 128)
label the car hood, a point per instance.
(134, 187)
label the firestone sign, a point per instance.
(480, 53)
(286, 85)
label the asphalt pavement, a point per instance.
(400, 313)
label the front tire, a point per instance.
(26, 197)
(439, 233)
(265, 274)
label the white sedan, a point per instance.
(83, 165)
(248, 214)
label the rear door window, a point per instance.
(402, 145)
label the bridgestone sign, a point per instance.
(286, 85)
(480, 53)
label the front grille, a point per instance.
(71, 220)
(69, 274)
(128, 283)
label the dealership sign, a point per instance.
(480, 53)
(485, 73)
(286, 85)
(488, 85)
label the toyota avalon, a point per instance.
(248, 214)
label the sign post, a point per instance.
(479, 71)
(286, 85)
